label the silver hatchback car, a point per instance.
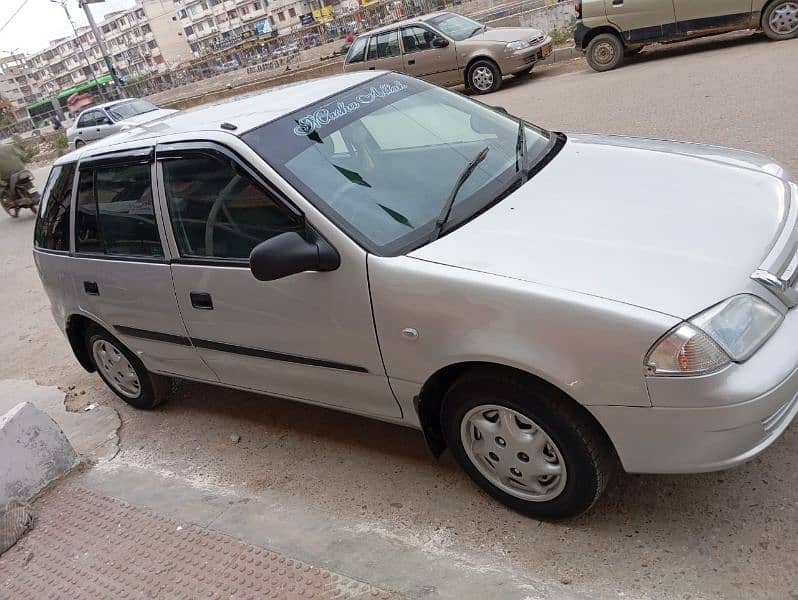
(377, 244)
(107, 119)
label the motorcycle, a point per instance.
(19, 194)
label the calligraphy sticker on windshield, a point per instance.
(329, 114)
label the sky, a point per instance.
(40, 21)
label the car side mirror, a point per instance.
(290, 253)
(439, 42)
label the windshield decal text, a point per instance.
(326, 115)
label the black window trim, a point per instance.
(180, 149)
(66, 252)
(129, 156)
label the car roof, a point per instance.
(107, 104)
(246, 112)
(413, 21)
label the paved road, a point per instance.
(321, 480)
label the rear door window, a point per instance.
(358, 50)
(52, 224)
(115, 213)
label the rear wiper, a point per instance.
(447, 207)
(521, 153)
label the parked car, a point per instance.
(450, 49)
(383, 246)
(608, 30)
(106, 119)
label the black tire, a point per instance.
(604, 52)
(584, 447)
(780, 21)
(478, 79)
(153, 388)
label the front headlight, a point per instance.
(517, 45)
(728, 332)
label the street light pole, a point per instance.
(80, 45)
(84, 4)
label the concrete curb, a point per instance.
(34, 453)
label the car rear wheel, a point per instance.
(780, 20)
(526, 444)
(484, 77)
(123, 372)
(604, 52)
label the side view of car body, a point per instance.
(450, 49)
(107, 119)
(608, 30)
(380, 245)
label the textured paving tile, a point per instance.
(87, 545)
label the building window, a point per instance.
(256, 6)
(291, 13)
(280, 16)
(244, 10)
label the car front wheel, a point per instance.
(123, 372)
(604, 52)
(484, 77)
(527, 445)
(780, 20)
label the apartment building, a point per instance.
(210, 25)
(15, 86)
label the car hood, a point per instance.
(668, 226)
(506, 34)
(147, 117)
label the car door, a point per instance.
(87, 125)
(120, 271)
(641, 21)
(309, 336)
(105, 125)
(383, 52)
(695, 16)
(422, 59)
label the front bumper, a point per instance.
(521, 60)
(711, 422)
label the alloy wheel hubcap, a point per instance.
(116, 369)
(512, 452)
(784, 19)
(482, 78)
(604, 53)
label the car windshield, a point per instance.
(130, 108)
(382, 158)
(455, 26)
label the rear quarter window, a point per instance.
(358, 50)
(52, 223)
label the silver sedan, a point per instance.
(106, 119)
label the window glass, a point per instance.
(125, 210)
(372, 53)
(87, 230)
(388, 44)
(217, 210)
(52, 226)
(130, 108)
(415, 39)
(358, 50)
(383, 169)
(115, 213)
(88, 119)
(456, 26)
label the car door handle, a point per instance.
(201, 300)
(91, 288)
(411, 62)
(617, 2)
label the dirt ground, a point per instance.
(732, 534)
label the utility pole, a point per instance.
(80, 45)
(84, 4)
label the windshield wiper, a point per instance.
(521, 152)
(479, 29)
(447, 207)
